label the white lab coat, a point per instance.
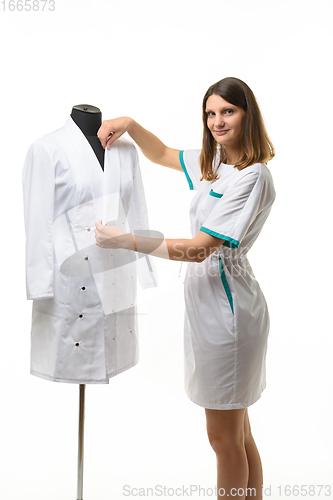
(84, 317)
(226, 320)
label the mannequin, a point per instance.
(84, 326)
(89, 119)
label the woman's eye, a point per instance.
(226, 111)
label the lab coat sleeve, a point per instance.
(234, 212)
(189, 160)
(139, 225)
(38, 179)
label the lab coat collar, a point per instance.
(110, 178)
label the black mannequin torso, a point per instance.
(89, 119)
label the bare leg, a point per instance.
(225, 429)
(254, 461)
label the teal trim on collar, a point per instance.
(214, 193)
(181, 158)
(226, 286)
(231, 243)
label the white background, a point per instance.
(154, 61)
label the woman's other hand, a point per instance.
(108, 236)
(111, 130)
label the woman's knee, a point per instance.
(222, 441)
(225, 431)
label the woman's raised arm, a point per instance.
(150, 145)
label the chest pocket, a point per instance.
(216, 194)
(208, 203)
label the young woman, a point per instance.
(227, 320)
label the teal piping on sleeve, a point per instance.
(181, 158)
(231, 243)
(214, 193)
(226, 286)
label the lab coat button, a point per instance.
(86, 258)
(113, 310)
(77, 344)
(80, 315)
(88, 229)
(83, 288)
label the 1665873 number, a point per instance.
(28, 5)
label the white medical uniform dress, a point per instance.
(226, 320)
(84, 317)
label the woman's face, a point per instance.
(224, 120)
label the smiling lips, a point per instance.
(220, 132)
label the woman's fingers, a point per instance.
(111, 138)
(105, 132)
(111, 130)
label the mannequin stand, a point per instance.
(80, 444)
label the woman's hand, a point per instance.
(108, 236)
(111, 130)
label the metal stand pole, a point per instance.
(80, 446)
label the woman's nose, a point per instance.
(218, 122)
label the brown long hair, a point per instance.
(254, 140)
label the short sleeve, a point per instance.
(235, 211)
(189, 160)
